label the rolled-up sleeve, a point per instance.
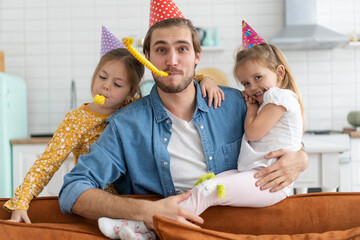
(102, 165)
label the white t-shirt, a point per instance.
(187, 159)
(286, 133)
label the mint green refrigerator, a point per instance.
(13, 125)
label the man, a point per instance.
(143, 153)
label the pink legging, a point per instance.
(240, 191)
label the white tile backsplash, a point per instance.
(58, 12)
(12, 25)
(59, 25)
(37, 60)
(50, 42)
(319, 66)
(323, 78)
(31, 25)
(36, 48)
(12, 4)
(343, 102)
(13, 14)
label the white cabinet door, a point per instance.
(310, 178)
(24, 156)
(355, 164)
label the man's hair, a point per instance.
(169, 23)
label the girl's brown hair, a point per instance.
(135, 70)
(271, 57)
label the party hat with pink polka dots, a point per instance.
(250, 38)
(109, 41)
(163, 9)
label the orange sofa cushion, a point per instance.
(48, 222)
(306, 216)
(303, 213)
(167, 229)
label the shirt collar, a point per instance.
(160, 111)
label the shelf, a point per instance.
(354, 44)
(204, 49)
(212, 49)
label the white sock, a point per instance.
(111, 228)
(127, 234)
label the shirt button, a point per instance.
(165, 163)
(170, 192)
(202, 127)
(210, 158)
(165, 139)
(167, 121)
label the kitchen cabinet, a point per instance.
(324, 168)
(350, 171)
(354, 170)
(24, 156)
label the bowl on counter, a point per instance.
(353, 118)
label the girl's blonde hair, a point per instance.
(271, 57)
(135, 70)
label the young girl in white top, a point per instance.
(273, 121)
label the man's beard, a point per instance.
(167, 89)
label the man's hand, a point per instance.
(20, 216)
(95, 203)
(169, 208)
(284, 171)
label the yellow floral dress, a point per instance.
(79, 129)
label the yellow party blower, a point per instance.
(127, 42)
(99, 99)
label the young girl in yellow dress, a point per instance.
(117, 77)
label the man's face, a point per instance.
(172, 51)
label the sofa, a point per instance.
(303, 216)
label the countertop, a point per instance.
(318, 144)
(37, 140)
(353, 133)
(311, 145)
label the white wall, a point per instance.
(50, 42)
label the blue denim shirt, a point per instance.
(132, 150)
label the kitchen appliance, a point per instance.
(301, 30)
(13, 124)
